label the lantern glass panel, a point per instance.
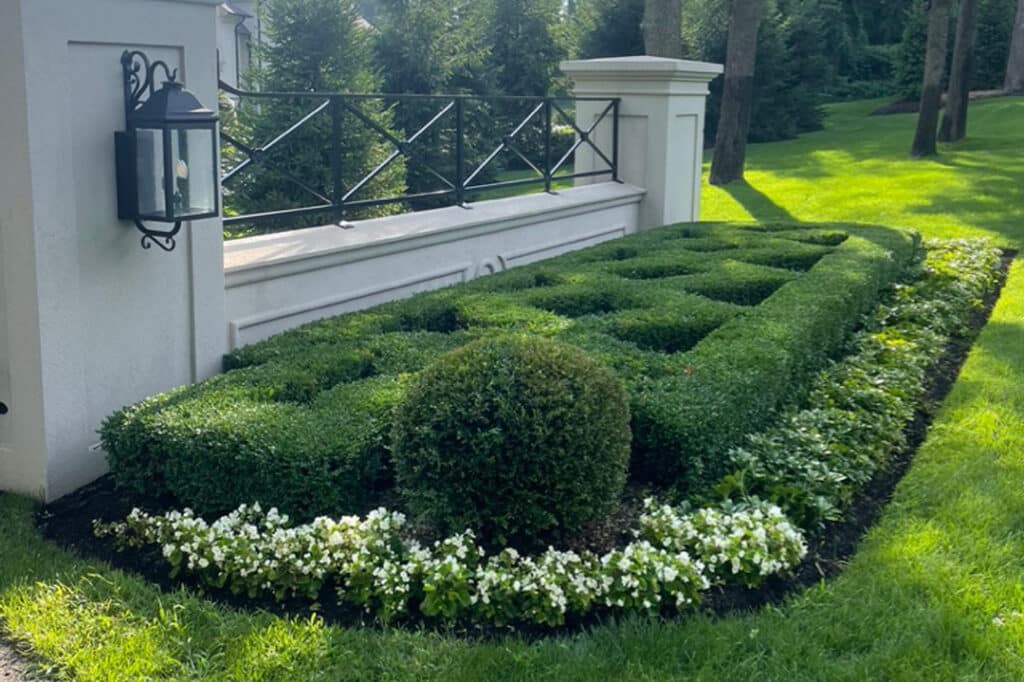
(149, 164)
(192, 169)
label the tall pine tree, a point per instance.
(312, 46)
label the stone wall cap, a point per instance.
(641, 64)
(388, 233)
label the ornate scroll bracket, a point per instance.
(139, 78)
(162, 238)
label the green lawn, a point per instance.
(935, 592)
(859, 169)
(515, 191)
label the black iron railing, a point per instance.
(455, 149)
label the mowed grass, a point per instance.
(935, 592)
(859, 169)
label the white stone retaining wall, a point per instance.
(279, 281)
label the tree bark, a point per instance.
(954, 119)
(931, 85)
(663, 21)
(1014, 82)
(737, 93)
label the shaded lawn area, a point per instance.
(936, 591)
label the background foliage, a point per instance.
(809, 52)
(311, 46)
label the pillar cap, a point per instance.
(642, 67)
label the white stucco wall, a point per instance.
(661, 128)
(5, 378)
(93, 322)
(276, 282)
(10, 146)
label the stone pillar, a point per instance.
(661, 128)
(90, 321)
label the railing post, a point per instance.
(615, 140)
(547, 144)
(337, 191)
(658, 107)
(460, 151)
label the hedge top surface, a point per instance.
(707, 267)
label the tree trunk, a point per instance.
(1014, 81)
(931, 85)
(954, 120)
(737, 93)
(663, 22)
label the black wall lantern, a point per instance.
(167, 158)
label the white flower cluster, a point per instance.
(254, 552)
(745, 545)
(673, 559)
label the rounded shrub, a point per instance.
(519, 439)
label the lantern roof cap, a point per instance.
(172, 103)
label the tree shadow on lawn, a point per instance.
(755, 202)
(886, 140)
(990, 198)
(55, 602)
(1009, 349)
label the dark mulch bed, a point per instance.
(68, 521)
(900, 106)
(12, 668)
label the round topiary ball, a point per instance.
(518, 439)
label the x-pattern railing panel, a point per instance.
(446, 114)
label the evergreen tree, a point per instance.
(995, 24)
(431, 47)
(882, 21)
(609, 28)
(910, 56)
(312, 46)
(528, 40)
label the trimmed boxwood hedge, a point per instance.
(518, 438)
(711, 328)
(741, 373)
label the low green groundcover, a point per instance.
(711, 328)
